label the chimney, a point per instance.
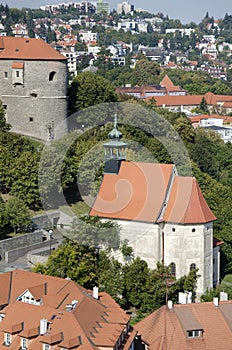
(170, 305)
(182, 298)
(223, 296)
(43, 326)
(215, 301)
(95, 292)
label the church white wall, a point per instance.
(143, 238)
(190, 244)
(180, 244)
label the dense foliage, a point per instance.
(131, 284)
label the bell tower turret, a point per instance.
(115, 150)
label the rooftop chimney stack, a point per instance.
(95, 292)
(43, 326)
(170, 304)
(223, 296)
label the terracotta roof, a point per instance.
(90, 319)
(18, 65)
(168, 84)
(136, 193)
(186, 204)
(28, 49)
(191, 100)
(198, 118)
(163, 329)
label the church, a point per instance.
(164, 217)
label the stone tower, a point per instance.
(33, 87)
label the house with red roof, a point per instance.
(196, 326)
(220, 104)
(165, 88)
(163, 216)
(33, 87)
(39, 312)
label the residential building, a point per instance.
(88, 36)
(163, 216)
(220, 104)
(103, 7)
(33, 87)
(47, 313)
(166, 87)
(198, 326)
(124, 7)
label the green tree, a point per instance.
(72, 260)
(4, 126)
(94, 232)
(3, 216)
(18, 214)
(89, 89)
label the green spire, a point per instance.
(115, 134)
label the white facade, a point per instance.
(183, 245)
(87, 36)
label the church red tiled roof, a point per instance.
(136, 193)
(139, 192)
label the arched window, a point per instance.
(192, 267)
(173, 269)
(51, 76)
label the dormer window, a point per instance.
(23, 343)
(17, 73)
(7, 339)
(46, 347)
(195, 333)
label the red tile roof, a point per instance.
(28, 49)
(89, 322)
(138, 192)
(187, 204)
(164, 328)
(168, 84)
(191, 100)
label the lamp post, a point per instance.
(50, 241)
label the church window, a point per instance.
(5, 75)
(52, 76)
(193, 230)
(31, 119)
(173, 269)
(192, 267)
(173, 229)
(17, 73)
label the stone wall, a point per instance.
(20, 242)
(14, 254)
(37, 107)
